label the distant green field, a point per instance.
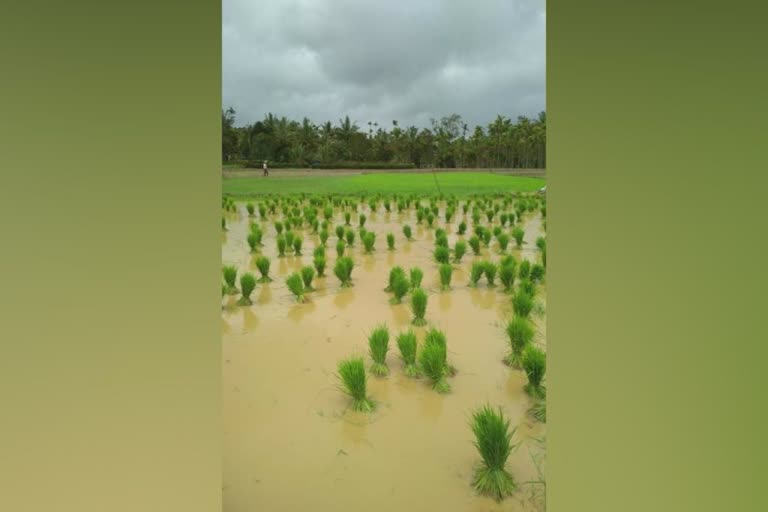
(459, 183)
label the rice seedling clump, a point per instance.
(263, 263)
(525, 269)
(459, 250)
(522, 303)
(393, 273)
(400, 287)
(507, 276)
(446, 271)
(442, 254)
(296, 286)
(493, 440)
(520, 333)
(297, 243)
(474, 243)
(407, 344)
(230, 278)
(390, 241)
(503, 239)
(518, 235)
(352, 375)
(419, 306)
(343, 270)
(319, 263)
(535, 365)
(307, 274)
(247, 285)
(476, 272)
(490, 269)
(433, 364)
(537, 272)
(378, 344)
(368, 240)
(416, 276)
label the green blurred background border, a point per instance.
(111, 252)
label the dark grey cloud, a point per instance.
(409, 60)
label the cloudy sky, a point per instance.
(409, 60)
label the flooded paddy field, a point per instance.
(291, 441)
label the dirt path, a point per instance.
(299, 173)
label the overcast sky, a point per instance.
(409, 60)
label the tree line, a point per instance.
(503, 143)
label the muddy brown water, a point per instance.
(290, 443)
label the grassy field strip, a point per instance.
(457, 183)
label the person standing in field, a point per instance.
(266, 170)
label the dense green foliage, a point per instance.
(448, 142)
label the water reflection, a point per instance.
(431, 402)
(445, 301)
(344, 298)
(483, 297)
(265, 294)
(250, 320)
(299, 310)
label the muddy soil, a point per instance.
(290, 443)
